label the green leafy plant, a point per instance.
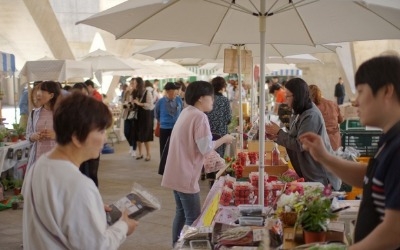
(315, 213)
(3, 133)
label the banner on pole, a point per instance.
(231, 61)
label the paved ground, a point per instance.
(117, 172)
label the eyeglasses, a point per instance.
(288, 96)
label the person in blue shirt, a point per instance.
(166, 112)
(23, 108)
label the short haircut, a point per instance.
(197, 89)
(89, 83)
(379, 72)
(75, 116)
(80, 86)
(275, 86)
(301, 95)
(53, 88)
(218, 83)
(315, 94)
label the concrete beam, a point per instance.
(47, 23)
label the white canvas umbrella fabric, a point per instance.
(215, 52)
(301, 22)
(307, 22)
(105, 61)
(55, 70)
(157, 69)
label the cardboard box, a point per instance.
(335, 231)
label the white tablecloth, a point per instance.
(7, 163)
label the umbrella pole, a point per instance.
(261, 130)
(239, 55)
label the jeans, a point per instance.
(128, 133)
(187, 210)
(340, 100)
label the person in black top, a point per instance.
(378, 100)
(340, 91)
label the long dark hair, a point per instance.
(140, 88)
(301, 95)
(53, 88)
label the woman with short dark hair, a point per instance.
(190, 141)
(63, 209)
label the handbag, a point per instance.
(157, 130)
(132, 115)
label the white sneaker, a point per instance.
(133, 153)
(130, 150)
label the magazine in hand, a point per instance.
(138, 203)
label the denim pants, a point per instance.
(187, 210)
(128, 132)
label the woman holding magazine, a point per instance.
(63, 208)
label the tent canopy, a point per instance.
(7, 63)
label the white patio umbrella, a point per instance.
(174, 50)
(158, 69)
(304, 22)
(56, 70)
(104, 61)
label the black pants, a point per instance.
(90, 169)
(164, 134)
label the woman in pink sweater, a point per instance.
(190, 141)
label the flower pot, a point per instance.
(14, 139)
(17, 191)
(311, 237)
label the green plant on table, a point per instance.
(316, 211)
(3, 133)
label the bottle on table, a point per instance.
(275, 156)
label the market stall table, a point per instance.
(14, 155)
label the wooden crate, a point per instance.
(254, 146)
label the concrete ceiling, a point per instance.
(33, 29)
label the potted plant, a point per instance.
(20, 131)
(3, 136)
(17, 186)
(315, 215)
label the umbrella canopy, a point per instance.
(307, 22)
(56, 70)
(157, 69)
(105, 61)
(276, 52)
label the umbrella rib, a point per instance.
(383, 18)
(280, 54)
(305, 27)
(230, 5)
(290, 6)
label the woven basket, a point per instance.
(289, 218)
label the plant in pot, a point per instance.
(17, 186)
(20, 131)
(3, 136)
(314, 216)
